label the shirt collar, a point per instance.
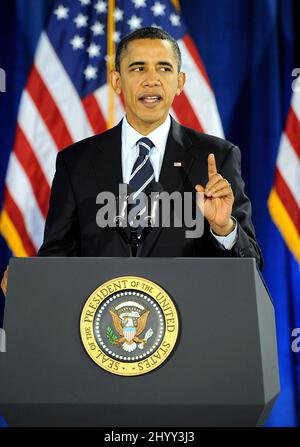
(158, 136)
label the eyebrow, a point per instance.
(162, 63)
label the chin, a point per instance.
(151, 117)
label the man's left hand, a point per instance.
(218, 200)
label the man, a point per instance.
(147, 74)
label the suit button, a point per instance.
(241, 253)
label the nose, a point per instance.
(152, 78)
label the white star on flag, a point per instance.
(77, 42)
(117, 36)
(139, 3)
(61, 12)
(93, 50)
(90, 72)
(97, 28)
(81, 20)
(108, 59)
(118, 14)
(69, 67)
(175, 19)
(101, 7)
(158, 9)
(134, 22)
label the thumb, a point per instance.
(200, 197)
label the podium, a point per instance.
(223, 370)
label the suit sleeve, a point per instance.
(61, 236)
(246, 245)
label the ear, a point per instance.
(115, 80)
(181, 82)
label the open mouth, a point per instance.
(150, 99)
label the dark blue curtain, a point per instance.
(249, 48)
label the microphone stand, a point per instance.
(132, 239)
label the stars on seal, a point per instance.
(128, 326)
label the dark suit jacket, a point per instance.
(94, 165)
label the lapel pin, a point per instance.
(178, 164)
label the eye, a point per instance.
(138, 69)
(165, 69)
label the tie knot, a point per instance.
(145, 145)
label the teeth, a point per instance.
(150, 97)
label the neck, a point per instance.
(145, 128)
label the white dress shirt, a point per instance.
(130, 151)
(159, 137)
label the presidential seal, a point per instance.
(129, 326)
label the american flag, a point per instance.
(68, 97)
(284, 200)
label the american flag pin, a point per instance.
(178, 164)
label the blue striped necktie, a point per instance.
(142, 172)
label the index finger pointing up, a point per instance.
(212, 168)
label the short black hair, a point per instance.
(148, 32)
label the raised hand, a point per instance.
(218, 200)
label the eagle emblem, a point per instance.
(130, 320)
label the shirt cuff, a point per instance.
(227, 242)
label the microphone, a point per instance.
(122, 203)
(153, 191)
(121, 210)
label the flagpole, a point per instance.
(110, 61)
(176, 4)
(11, 235)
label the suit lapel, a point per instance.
(107, 162)
(172, 178)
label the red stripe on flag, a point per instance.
(287, 199)
(195, 55)
(292, 131)
(48, 109)
(94, 114)
(17, 218)
(32, 168)
(185, 112)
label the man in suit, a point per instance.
(149, 145)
